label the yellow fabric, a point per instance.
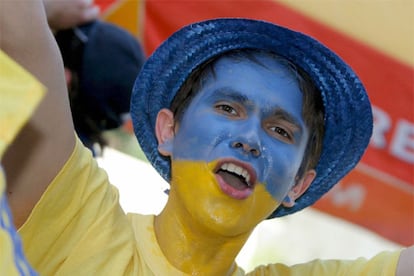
(383, 264)
(78, 228)
(20, 93)
(154, 263)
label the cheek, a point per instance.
(197, 137)
(264, 204)
(280, 171)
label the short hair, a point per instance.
(312, 109)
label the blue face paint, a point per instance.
(250, 113)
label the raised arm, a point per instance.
(64, 14)
(46, 142)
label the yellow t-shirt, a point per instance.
(383, 264)
(20, 93)
(154, 263)
(78, 228)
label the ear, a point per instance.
(299, 188)
(164, 130)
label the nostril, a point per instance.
(237, 145)
(255, 152)
(246, 148)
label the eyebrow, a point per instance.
(286, 116)
(231, 94)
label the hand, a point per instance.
(64, 14)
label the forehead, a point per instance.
(254, 73)
(263, 59)
(207, 72)
(258, 67)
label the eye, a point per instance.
(226, 109)
(281, 133)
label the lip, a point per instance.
(228, 189)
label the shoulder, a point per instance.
(385, 263)
(80, 209)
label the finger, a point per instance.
(86, 3)
(91, 13)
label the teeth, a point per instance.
(237, 170)
(247, 178)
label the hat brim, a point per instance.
(348, 114)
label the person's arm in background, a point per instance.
(46, 142)
(64, 14)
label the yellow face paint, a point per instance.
(202, 229)
(194, 184)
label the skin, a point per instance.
(46, 142)
(247, 115)
(64, 14)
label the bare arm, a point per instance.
(63, 14)
(47, 140)
(405, 265)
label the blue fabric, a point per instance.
(6, 224)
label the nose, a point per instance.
(248, 147)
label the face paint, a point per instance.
(197, 187)
(244, 127)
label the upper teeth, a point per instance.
(237, 170)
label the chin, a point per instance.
(224, 220)
(212, 208)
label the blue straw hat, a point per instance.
(348, 114)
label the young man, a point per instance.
(225, 111)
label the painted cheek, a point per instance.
(194, 181)
(265, 202)
(279, 187)
(281, 171)
(198, 137)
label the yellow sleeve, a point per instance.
(383, 264)
(20, 93)
(78, 226)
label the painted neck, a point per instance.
(191, 247)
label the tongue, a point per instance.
(233, 180)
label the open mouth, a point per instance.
(235, 180)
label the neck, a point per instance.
(193, 248)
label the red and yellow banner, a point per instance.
(377, 39)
